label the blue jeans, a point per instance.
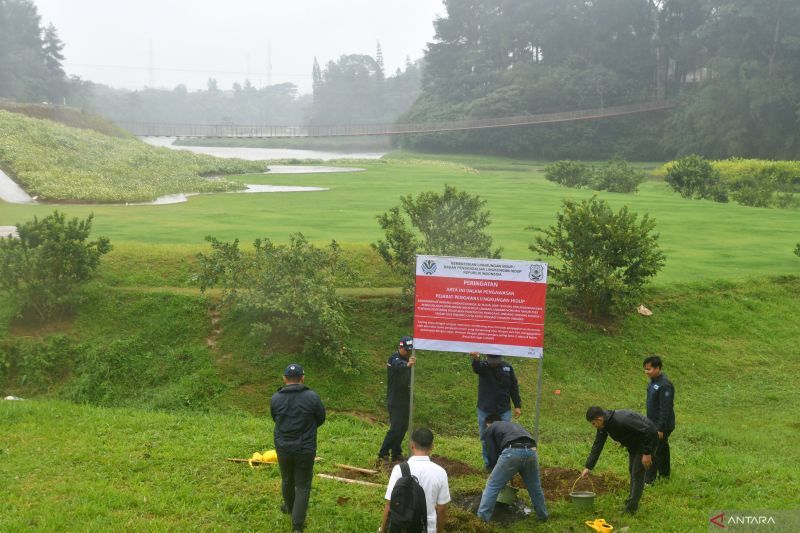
(482, 429)
(513, 460)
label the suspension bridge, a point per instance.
(148, 129)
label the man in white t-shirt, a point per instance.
(432, 478)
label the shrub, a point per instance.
(694, 177)
(605, 258)
(451, 223)
(569, 173)
(42, 268)
(616, 175)
(285, 291)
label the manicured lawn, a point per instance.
(701, 239)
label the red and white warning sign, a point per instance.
(492, 306)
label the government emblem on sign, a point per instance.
(536, 273)
(428, 267)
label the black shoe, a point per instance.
(398, 458)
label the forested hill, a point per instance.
(732, 66)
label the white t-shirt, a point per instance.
(433, 480)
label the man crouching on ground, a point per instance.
(510, 449)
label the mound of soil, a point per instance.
(557, 482)
(453, 467)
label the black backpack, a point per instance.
(408, 511)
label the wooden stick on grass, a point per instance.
(345, 480)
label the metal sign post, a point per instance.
(411, 403)
(538, 402)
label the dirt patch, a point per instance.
(503, 514)
(557, 482)
(355, 474)
(454, 467)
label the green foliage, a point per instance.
(694, 177)
(616, 175)
(46, 263)
(56, 162)
(288, 292)
(604, 257)
(451, 223)
(569, 173)
(30, 55)
(751, 182)
(36, 367)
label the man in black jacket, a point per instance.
(660, 409)
(297, 412)
(398, 399)
(636, 433)
(497, 389)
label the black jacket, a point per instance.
(500, 434)
(497, 386)
(660, 403)
(398, 381)
(297, 412)
(632, 430)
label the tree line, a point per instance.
(731, 66)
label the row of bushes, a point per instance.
(616, 175)
(751, 182)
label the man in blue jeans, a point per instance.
(511, 449)
(497, 389)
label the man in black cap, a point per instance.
(660, 409)
(636, 433)
(297, 412)
(398, 399)
(497, 388)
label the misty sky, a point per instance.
(108, 41)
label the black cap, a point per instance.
(293, 371)
(406, 343)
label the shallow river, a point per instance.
(12, 193)
(254, 154)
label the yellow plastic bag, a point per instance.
(269, 456)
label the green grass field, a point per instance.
(701, 239)
(135, 400)
(132, 458)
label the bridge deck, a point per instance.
(353, 130)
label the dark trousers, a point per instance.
(660, 466)
(296, 473)
(398, 425)
(636, 470)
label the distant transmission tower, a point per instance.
(152, 67)
(269, 63)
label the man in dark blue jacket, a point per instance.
(297, 412)
(660, 409)
(497, 388)
(632, 430)
(398, 399)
